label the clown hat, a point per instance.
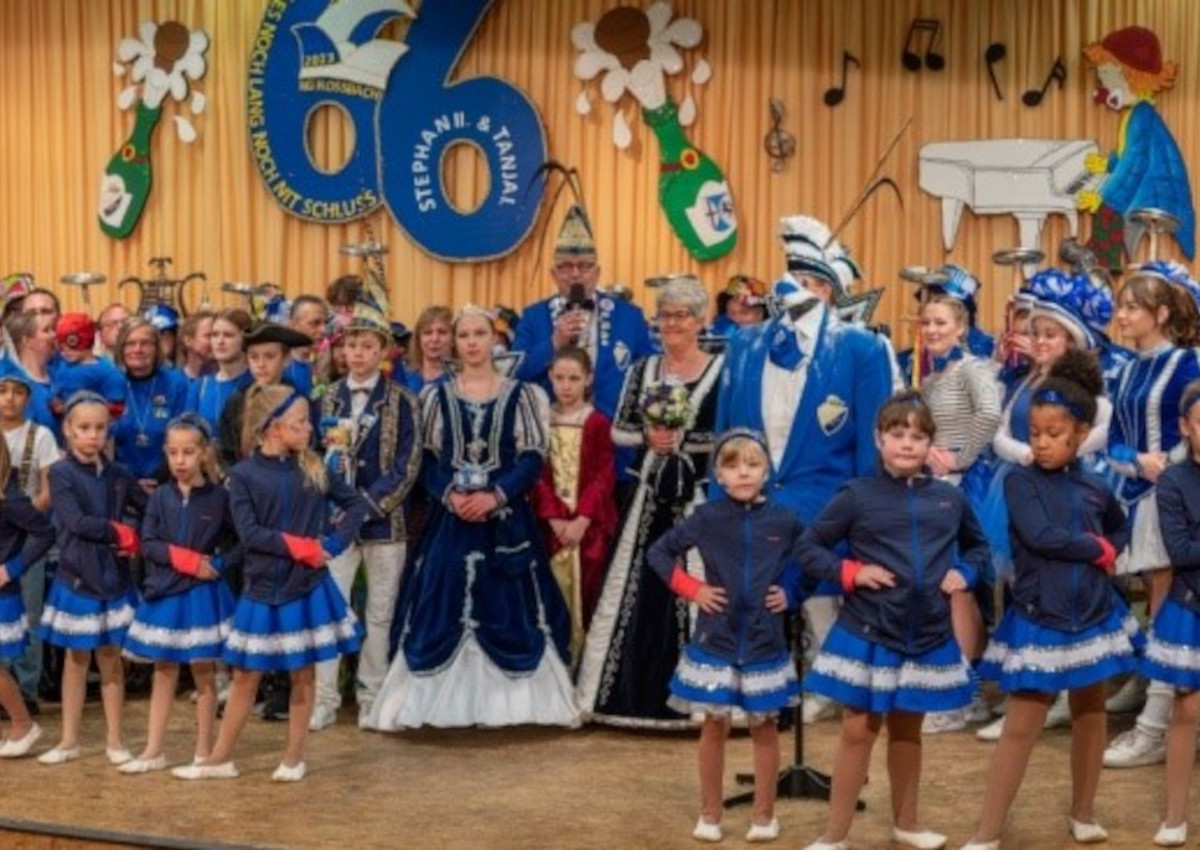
(1072, 301)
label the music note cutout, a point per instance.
(835, 95)
(1034, 97)
(934, 61)
(995, 53)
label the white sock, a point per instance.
(1156, 713)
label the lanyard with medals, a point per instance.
(141, 411)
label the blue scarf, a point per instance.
(785, 351)
(940, 363)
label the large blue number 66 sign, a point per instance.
(406, 115)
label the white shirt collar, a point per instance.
(368, 385)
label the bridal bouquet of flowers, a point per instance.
(666, 406)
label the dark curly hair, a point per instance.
(1073, 384)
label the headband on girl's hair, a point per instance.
(279, 410)
(1056, 398)
(741, 434)
(84, 397)
(194, 421)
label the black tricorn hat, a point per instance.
(265, 332)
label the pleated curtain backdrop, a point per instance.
(211, 211)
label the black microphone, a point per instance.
(577, 298)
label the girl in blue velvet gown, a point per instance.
(481, 625)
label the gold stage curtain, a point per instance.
(210, 210)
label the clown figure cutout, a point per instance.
(1146, 170)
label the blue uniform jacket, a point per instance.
(207, 395)
(99, 376)
(1178, 497)
(26, 534)
(86, 502)
(150, 404)
(386, 453)
(623, 337)
(833, 437)
(746, 548)
(917, 528)
(202, 523)
(268, 499)
(1052, 516)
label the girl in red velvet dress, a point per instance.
(574, 498)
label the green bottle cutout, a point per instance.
(127, 179)
(691, 189)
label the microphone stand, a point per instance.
(798, 781)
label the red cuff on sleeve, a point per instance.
(306, 550)
(685, 585)
(186, 561)
(127, 538)
(1108, 554)
(849, 571)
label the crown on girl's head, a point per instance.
(468, 310)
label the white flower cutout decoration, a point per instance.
(166, 58)
(635, 51)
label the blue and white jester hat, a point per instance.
(1074, 302)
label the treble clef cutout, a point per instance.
(779, 143)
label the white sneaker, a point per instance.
(1171, 836)
(707, 831)
(978, 711)
(289, 773)
(936, 722)
(323, 716)
(1135, 748)
(762, 832)
(1087, 833)
(1059, 714)
(992, 731)
(817, 708)
(1129, 699)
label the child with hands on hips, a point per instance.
(1173, 653)
(1067, 628)
(25, 536)
(291, 614)
(92, 597)
(738, 657)
(185, 615)
(913, 543)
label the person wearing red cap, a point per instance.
(78, 368)
(1147, 169)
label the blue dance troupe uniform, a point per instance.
(92, 598)
(26, 534)
(1067, 627)
(893, 649)
(182, 618)
(737, 658)
(290, 614)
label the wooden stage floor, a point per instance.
(515, 788)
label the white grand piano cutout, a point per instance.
(1026, 178)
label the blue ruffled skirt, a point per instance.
(74, 621)
(14, 628)
(1026, 656)
(872, 677)
(183, 627)
(705, 683)
(1173, 649)
(313, 628)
